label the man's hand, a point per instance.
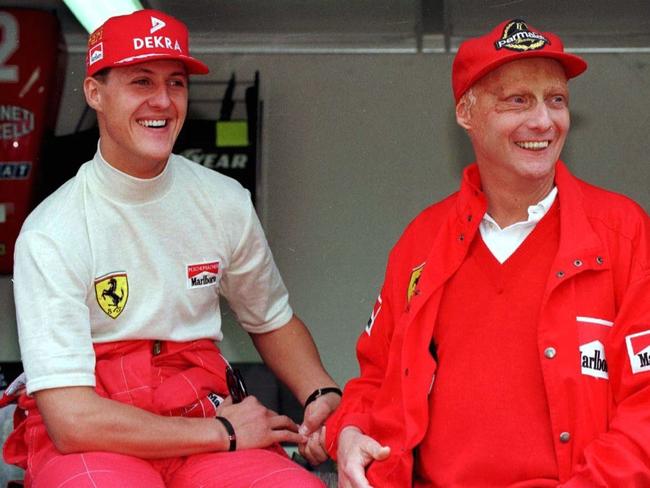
(256, 426)
(313, 449)
(356, 451)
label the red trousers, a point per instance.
(175, 381)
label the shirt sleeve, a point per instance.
(252, 283)
(52, 315)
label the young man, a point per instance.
(509, 344)
(117, 282)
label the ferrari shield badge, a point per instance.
(413, 281)
(112, 292)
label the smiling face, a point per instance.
(140, 111)
(517, 118)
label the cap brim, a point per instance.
(573, 65)
(194, 66)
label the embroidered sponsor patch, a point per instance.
(202, 274)
(517, 37)
(413, 281)
(638, 350)
(593, 333)
(215, 399)
(153, 42)
(112, 293)
(96, 53)
(156, 24)
(373, 316)
(95, 37)
(592, 360)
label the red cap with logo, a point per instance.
(509, 41)
(144, 35)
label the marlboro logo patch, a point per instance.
(638, 350)
(592, 360)
(202, 274)
(96, 53)
(593, 333)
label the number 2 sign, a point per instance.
(29, 44)
(8, 46)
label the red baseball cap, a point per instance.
(144, 35)
(508, 41)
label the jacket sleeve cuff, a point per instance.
(334, 427)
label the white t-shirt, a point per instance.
(111, 257)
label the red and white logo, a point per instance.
(638, 350)
(96, 53)
(202, 274)
(592, 360)
(593, 333)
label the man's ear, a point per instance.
(463, 113)
(93, 92)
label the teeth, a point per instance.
(153, 123)
(533, 145)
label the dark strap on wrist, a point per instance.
(231, 432)
(322, 391)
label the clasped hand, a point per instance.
(257, 426)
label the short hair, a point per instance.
(469, 97)
(102, 74)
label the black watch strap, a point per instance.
(231, 433)
(322, 391)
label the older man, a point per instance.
(117, 282)
(509, 344)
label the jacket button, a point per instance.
(550, 352)
(600, 260)
(565, 437)
(560, 274)
(577, 263)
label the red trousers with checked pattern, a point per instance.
(175, 382)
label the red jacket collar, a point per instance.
(576, 234)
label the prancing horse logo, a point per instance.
(112, 292)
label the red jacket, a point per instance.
(596, 372)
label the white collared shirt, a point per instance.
(502, 243)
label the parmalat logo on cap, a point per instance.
(517, 37)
